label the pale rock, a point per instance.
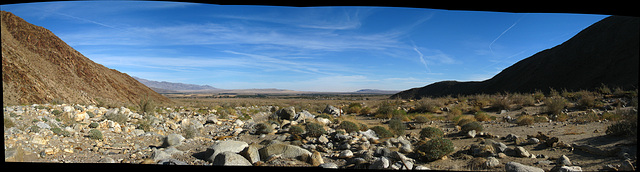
(224, 146)
(471, 134)
(329, 165)
(379, 164)
(251, 153)
(521, 152)
(345, 154)
(316, 159)
(563, 161)
(172, 140)
(492, 162)
(230, 159)
(517, 167)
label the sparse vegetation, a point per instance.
(434, 149)
(397, 126)
(525, 120)
(263, 128)
(349, 126)
(382, 132)
(296, 130)
(95, 134)
(472, 126)
(314, 129)
(555, 105)
(431, 132)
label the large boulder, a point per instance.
(288, 113)
(332, 110)
(517, 167)
(286, 151)
(230, 159)
(224, 146)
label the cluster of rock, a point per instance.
(236, 142)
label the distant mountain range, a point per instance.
(173, 87)
(606, 52)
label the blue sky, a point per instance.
(300, 48)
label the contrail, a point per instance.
(415, 48)
(505, 31)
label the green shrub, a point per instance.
(8, 123)
(314, 129)
(363, 127)
(95, 134)
(525, 120)
(472, 126)
(366, 111)
(397, 126)
(623, 128)
(61, 132)
(421, 119)
(94, 125)
(482, 116)
(555, 105)
(56, 112)
(349, 126)
(434, 149)
(146, 105)
(296, 130)
(382, 132)
(464, 120)
(384, 110)
(428, 105)
(117, 117)
(354, 108)
(431, 132)
(34, 129)
(263, 128)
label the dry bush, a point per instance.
(525, 120)
(555, 105)
(586, 99)
(523, 99)
(482, 116)
(501, 103)
(428, 105)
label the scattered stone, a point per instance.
(471, 133)
(563, 161)
(379, 164)
(491, 162)
(251, 153)
(517, 167)
(329, 165)
(224, 146)
(345, 154)
(332, 110)
(521, 152)
(230, 159)
(316, 159)
(106, 160)
(173, 140)
(566, 169)
(287, 151)
(171, 162)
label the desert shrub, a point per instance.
(434, 149)
(428, 105)
(363, 127)
(501, 103)
(472, 126)
(8, 123)
(538, 95)
(464, 119)
(604, 89)
(59, 131)
(95, 134)
(56, 112)
(314, 129)
(384, 110)
(94, 125)
(623, 128)
(296, 130)
(190, 131)
(555, 105)
(382, 132)
(482, 116)
(366, 111)
(421, 119)
(523, 100)
(324, 116)
(34, 129)
(561, 117)
(117, 117)
(397, 126)
(525, 120)
(588, 117)
(263, 128)
(400, 115)
(146, 105)
(586, 100)
(354, 108)
(349, 126)
(539, 119)
(431, 132)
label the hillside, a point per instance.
(38, 67)
(603, 53)
(172, 86)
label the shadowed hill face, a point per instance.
(606, 52)
(38, 67)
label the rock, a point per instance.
(288, 113)
(420, 167)
(329, 165)
(332, 110)
(566, 169)
(251, 153)
(316, 159)
(517, 167)
(499, 146)
(81, 116)
(106, 160)
(379, 164)
(627, 166)
(482, 150)
(563, 161)
(14, 154)
(171, 162)
(369, 134)
(323, 139)
(471, 133)
(43, 125)
(304, 115)
(511, 137)
(345, 154)
(160, 155)
(230, 159)
(287, 151)
(543, 162)
(323, 121)
(533, 140)
(521, 152)
(224, 146)
(521, 141)
(491, 162)
(502, 155)
(173, 140)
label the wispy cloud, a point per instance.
(503, 32)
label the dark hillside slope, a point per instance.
(606, 52)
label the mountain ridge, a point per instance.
(38, 67)
(604, 53)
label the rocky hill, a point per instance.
(606, 52)
(38, 67)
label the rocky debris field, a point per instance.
(267, 136)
